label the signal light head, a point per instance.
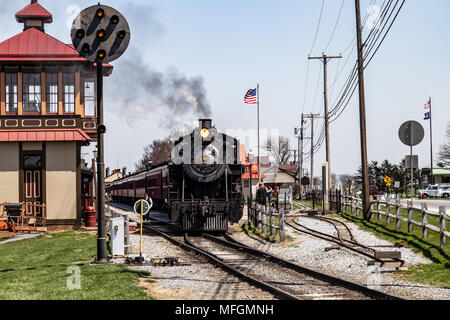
(101, 129)
(86, 48)
(101, 54)
(100, 13)
(121, 34)
(101, 34)
(114, 19)
(80, 33)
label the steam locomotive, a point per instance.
(200, 186)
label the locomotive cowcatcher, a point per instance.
(200, 186)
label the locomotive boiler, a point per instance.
(200, 186)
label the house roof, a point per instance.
(34, 11)
(34, 44)
(21, 135)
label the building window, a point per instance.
(52, 92)
(11, 92)
(89, 97)
(69, 92)
(31, 92)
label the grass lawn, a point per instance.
(437, 273)
(38, 269)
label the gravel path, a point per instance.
(310, 252)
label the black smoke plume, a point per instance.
(137, 91)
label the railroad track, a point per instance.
(282, 278)
(344, 239)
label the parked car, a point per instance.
(432, 191)
(444, 192)
(373, 191)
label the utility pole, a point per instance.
(324, 58)
(300, 136)
(362, 115)
(312, 116)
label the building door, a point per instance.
(32, 164)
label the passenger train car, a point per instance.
(200, 186)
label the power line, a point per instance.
(335, 26)
(351, 83)
(318, 27)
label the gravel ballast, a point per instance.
(195, 281)
(310, 252)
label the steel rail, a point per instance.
(353, 286)
(333, 222)
(190, 247)
(333, 239)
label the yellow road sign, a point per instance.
(387, 180)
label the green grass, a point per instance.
(249, 228)
(437, 273)
(36, 269)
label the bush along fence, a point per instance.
(267, 219)
(393, 211)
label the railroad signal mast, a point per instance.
(100, 34)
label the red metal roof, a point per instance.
(34, 11)
(34, 43)
(20, 135)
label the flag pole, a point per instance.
(431, 143)
(259, 172)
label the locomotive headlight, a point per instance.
(204, 133)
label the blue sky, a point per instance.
(234, 45)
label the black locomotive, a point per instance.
(201, 185)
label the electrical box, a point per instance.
(117, 237)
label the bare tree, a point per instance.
(444, 153)
(156, 152)
(279, 149)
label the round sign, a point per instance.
(411, 133)
(145, 207)
(100, 34)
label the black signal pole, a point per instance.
(362, 116)
(101, 236)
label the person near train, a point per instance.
(150, 202)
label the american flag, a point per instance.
(428, 104)
(250, 97)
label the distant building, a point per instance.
(116, 175)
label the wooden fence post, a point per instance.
(258, 219)
(410, 217)
(351, 205)
(424, 220)
(263, 219)
(378, 210)
(397, 213)
(443, 225)
(271, 220)
(281, 224)
(388, 212)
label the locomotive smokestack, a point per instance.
(205, 123)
